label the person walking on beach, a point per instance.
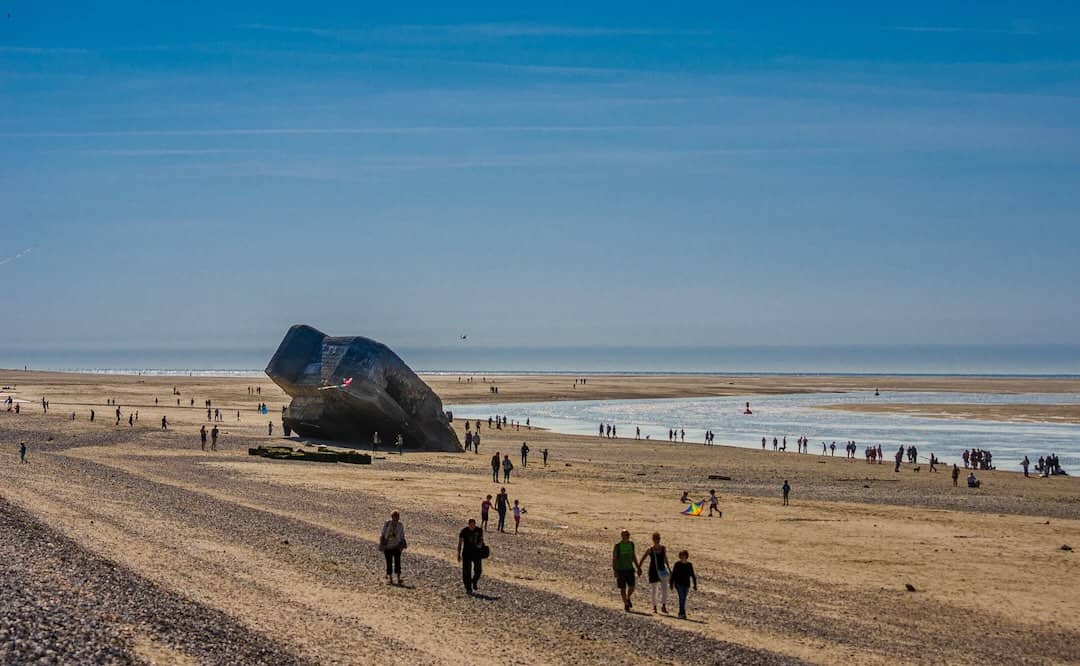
(495, 467)
(517, 516)
(476, 440)
(164, 423)
(22, 453)
(391, 543)
(786, 489)
(202, 438)
(955, 475)
(659, 572)
(714, 505)
(623, 563)
(213, 439)
(681, 576)
(485, 511)
(469, 548)
(524, 455)
(502, 503)
(91, 416)
(1024, 463)
(899, 458)
(270, 431)
(545, 454)
(762, 443)
(507, 468)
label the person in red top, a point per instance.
(485, 509)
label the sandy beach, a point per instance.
(227, 558)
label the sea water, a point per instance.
(801, 414)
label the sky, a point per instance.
(202, 175)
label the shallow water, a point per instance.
(798, 414)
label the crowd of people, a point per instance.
(977, 459)
(1049, 465)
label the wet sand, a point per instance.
(286, 550)
(1010, 413)
(531, 388)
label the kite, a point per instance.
(694, 509)
(344, 384)
(16, 257)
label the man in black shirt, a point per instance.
(470, 542)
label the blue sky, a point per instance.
(611, 174)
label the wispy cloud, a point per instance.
(15, 257)
(41, 50)
(364, 170)
(963, 29)
(162, 152)
(316, 131)
(473, 31)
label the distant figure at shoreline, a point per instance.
(786, 489)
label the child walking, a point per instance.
(714, 505)
(485, 510)
(517, 516)
(681, 576)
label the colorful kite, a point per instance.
(344, 384)
(694, 509)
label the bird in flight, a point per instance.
(464, 337)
